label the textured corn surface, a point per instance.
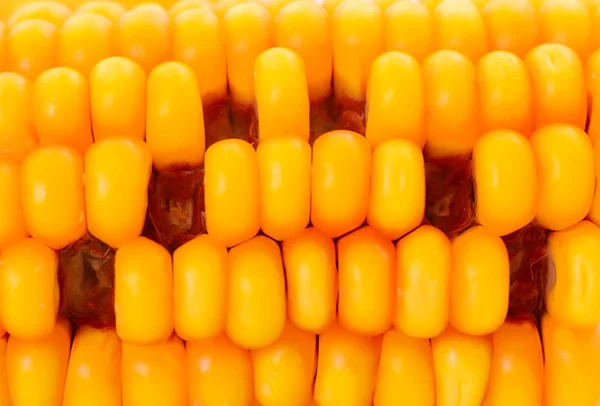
(299, 203)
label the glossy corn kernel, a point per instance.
(517, 369)
(511, 25)
(288, 381)
(594, 214)
(357, 41)
(506, 182)
(284, 168)
(117, 172)
(29, 292)
(218, 372)
(347, 368)
(408, 28)
(4, 391)
(341, 175)
(32, 47)
(17, 130)
(505, 97)
(281, 92)
(154, 374)
(405, 373)
(566, 22)
(565, 166)
(479, 282)
(94, 373)
(85, 40)
(366, 260)
(118, 99)
(106, 8)
(184, 5)
(248, 32)
(144, 35)
(12, 221)
(200, 276)
(61, 109)
(256, 310)
(53, 12)
(398, 174)
(231, 191)
(451, 104)
(143, 292)
(396, 100)
(198, 37)
(309, 260)
(462, 367)
(423, 273)
(304, 27)
(558, 85)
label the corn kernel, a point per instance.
(423, 273)
(566, 22)
(511, 25)
(231, 191)
(479, 282)
(289, 380)
(53, 12)
(451, 104)
(558, 85)
(154, 375)
(200, 276)
(304, 27)
(462, 366)
(565, 166)
(592, 74)
(405, 373)
(341, 175)
(94, 373)
(309, 260)
(32, 48)
(256, 310)
(218, 372)
(284, 166)
(12, 220)
(408, 28)
(4, 392)
(184, 5)
(106, 8)
(61, 109)
(594, 214)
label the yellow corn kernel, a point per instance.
(479, 282)
(284, 167)
(256, 309)
(506, 183)
(462, 367)
(592, 82)
(154, 375)
(36, 369)
(174, 119)
(357, 41)
(85, 40)
(200, 276)
(197, 38)
(459, 26)
(505, 97)
(347, 368)
(248, 32)
(565, 167)
(309, 260)
(341, 174)
(423, 273)
(53, 12)
(366, 261)
(144, 35)
(398, 174)
(558, 85)
(143, 292)
(517, 371)
(4, 391)
(396, 100)
(32, 48)
(594, 214)
(288, 381)
(405, 373)
(218, 372)
(117, 173)
(408, 28)
(566, 22)
(281, 93)
(185, 5)
(511, 25)
(53, 196)
(231, 191)
(61, 109)
(451, 104)
(12, 220)
(29, 293)
(106, 8)
(304, 27)
(94, 373)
